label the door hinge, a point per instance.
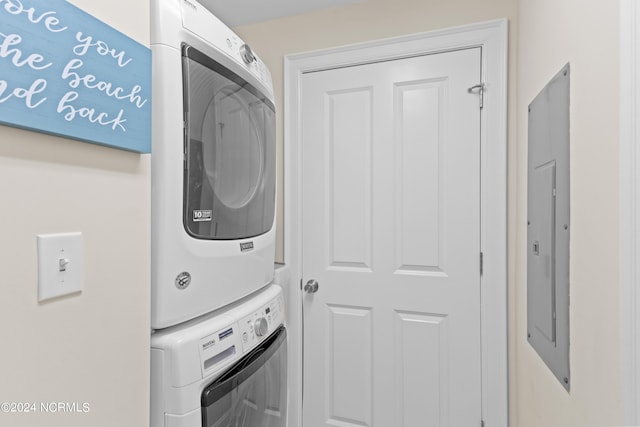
(481, 263)
(480, 89)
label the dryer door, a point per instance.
(229, 180)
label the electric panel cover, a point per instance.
(548, 226)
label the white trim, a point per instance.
(492, 38)
(629, 207)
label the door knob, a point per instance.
(311, 287)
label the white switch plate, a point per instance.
(60, 265)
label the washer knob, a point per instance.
(247, 54)
(261, 327)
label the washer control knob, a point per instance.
(261, 327)
(247, 54)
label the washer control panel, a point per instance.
(259, 324)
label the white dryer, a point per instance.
(213, 165)
(228, 369)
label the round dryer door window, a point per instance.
(230, 152)
(237, 157)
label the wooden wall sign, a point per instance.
(64, 72)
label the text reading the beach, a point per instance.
(69, 74)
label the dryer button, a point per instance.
(247, 54)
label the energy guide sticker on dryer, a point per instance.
(213, 164)
(202, 215)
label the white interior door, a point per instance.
(391, 234)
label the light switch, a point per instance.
(60, 264)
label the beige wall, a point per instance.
(92, 347)
(550, 34)
(369, 20)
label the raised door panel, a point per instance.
(419, 115)
(348, 178)
(421, 369)
(349, 366)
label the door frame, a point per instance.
(630, 209)
(492, 38)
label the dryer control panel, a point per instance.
(198, 18)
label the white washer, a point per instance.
(228, 369)
(213, 165)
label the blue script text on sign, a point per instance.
(66, 73)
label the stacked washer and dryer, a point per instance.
(218, 347)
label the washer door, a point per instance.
(252, 393)
(230, 152)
